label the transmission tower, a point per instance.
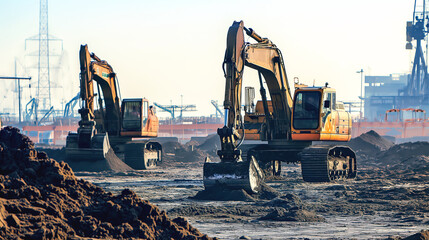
(44, 84)
(44, 94)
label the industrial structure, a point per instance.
(402, 91)
(173, 109)
(381, 94)
(44, 56)
(218, 110)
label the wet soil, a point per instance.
(388, 199)
(41, 198)
(377, 205)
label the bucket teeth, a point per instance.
(234, 175)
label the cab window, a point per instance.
(327, 103)
(132, 116)
(306, 110)
(145, 112)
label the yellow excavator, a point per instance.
(283, 126)
(112, 125)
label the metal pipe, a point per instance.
(16, 78)
(251, 33)
(361, 93)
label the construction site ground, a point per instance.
(389, 198)
(373, 206)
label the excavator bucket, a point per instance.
(234, 175)
(96, 150)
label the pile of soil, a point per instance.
(369, 143)
(41, 198)
(57, 153)
(411, 155)
(288, 201)
(293, 215)
(175, 152)
(211, 144)
(170, 147)
(290, 208)
(219, 193)
(423, 235)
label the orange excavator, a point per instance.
(284, 127)
(112, 125)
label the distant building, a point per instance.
(381, 94)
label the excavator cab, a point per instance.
(138, 118)
(132, 118)
(315, 116)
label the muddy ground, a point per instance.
(374, 206)
(389, 198)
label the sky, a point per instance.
(172, 51)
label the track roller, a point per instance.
(143, 156)
(328, 163)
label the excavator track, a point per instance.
(328, 163)
(143, 155)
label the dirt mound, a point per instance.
(192, 144)
(211, 144)
(293, 215)
(423, 235)
(170, 147)
(409, 155)
(41, 198)
(219, 193)
(288, 201)
(59, 154)
(176, 152)
(369, 143)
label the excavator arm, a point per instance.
(91, 142)
(267, 59)
(93, 69)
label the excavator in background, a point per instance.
(288, 125)
(112, 125)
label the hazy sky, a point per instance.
(164, 49)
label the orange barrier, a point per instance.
(186, 131)
(407, 129)
(50, 134)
